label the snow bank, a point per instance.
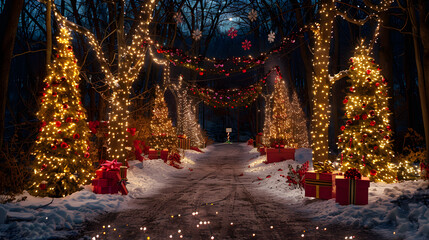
(38, 218)
(398, 211)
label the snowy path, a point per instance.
(225, 201)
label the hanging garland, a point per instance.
(232, 98)
(223, 66)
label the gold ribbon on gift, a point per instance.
(352, 191)
(317, 183)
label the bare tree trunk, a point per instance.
(48, 33)
(420, 66)
(386, 62)
(8, 26)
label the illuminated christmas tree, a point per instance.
(366, 137)
(62, 161)
(299, 122)
(281, 124)
(163, 134)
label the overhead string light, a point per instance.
(232, 98)
(223, 66)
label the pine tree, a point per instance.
(163, 134)
(365, 140)
(280, 125)
(62, 161)
(299, 122)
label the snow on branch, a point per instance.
(338, 76)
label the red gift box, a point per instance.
(106, 190)
(280, 154)
(184, 143)
(262, 151)
(320, 185)
(352, 191)
(111, 174)
(102, 182)
(164, 154)
(153, 154)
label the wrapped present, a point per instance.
(262, 150)
(154, 154)
(320, 185)
(184, 143)
(105, 190)
(102, 182)
(164, 154)
(352, 191)
(280, 154)
(108, 174)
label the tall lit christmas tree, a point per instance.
(163, 134)
(62, 161)
(299, 122)
(366, 137)
(280, 125)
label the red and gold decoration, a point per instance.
(110, 179)
(366, 136)
(62, 163)
(163, 134)
(352, 188)
(320, 185)
(184, 142)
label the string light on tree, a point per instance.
(130, 59)
(298, 122)
(281, 124)
(322, 81)
(366, 137)
(62, 162)
(163, 134)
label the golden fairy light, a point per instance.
(62, 162)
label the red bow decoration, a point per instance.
(111, 165)
(132, 131)
(352, 173)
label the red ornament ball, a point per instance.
(372, 123)
(368, 79)
(352, 68)
(375, 147)
(345, 101)
(364, 105)
(54, 147)
(86, 155)
(64, 145)
(368, 71)
(70, 48)
(377, 84)
(65, 106)
(58, 123)
(352, 89)
(54, 94)
(373, 172)
(76, 136)
(201, 73)
(343, 128)
(63, 79)
(357, 117)
(364, 116)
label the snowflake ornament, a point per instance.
(196, 34)
(178, 17)
(232, 33)
(271, 37)
(246, 45)
(253, 14)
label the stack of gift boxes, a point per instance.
(348, 189)
(111, 178)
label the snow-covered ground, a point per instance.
(38, 218)
(397, 211)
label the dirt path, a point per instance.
(227, 205)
